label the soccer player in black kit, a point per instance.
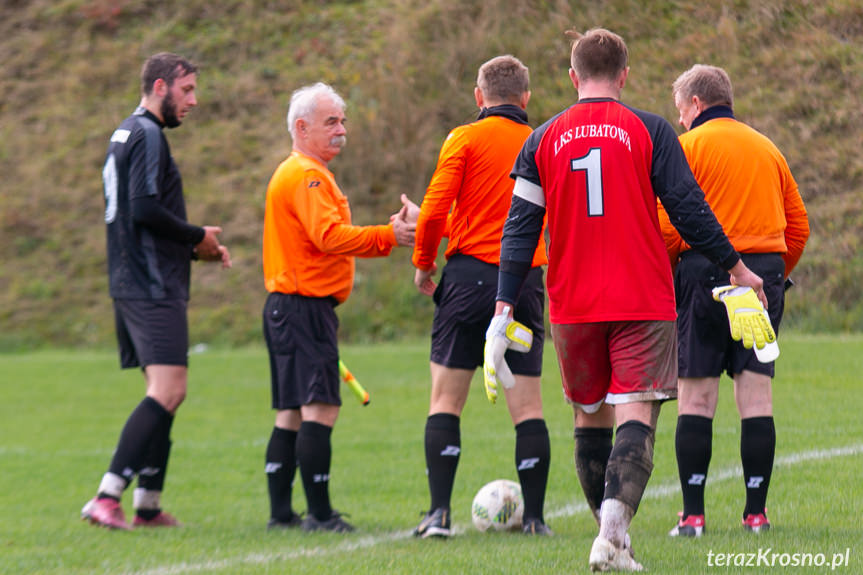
(150, 249)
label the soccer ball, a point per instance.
(498, 505)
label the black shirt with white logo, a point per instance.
(150, 244)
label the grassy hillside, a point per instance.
(69, 75)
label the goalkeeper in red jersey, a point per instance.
(596, 170)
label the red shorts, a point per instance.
(616, 361)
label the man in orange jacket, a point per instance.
(309, 249)
(749, 186)
(468, 200)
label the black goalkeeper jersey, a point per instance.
(142, 262)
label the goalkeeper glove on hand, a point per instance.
(503, 333)
(747, 318)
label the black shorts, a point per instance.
(705, 345)
(464, 305)
(304, 356)
(151, 332)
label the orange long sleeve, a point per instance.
(309, 241)
(749, 186)
(470, 192)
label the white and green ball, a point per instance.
(498, 505)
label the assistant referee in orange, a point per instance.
(749, 186)
(468, 200)
(309, 249)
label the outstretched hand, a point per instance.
(210, 250)
(226, 257)
(404, 222)
(411, 210)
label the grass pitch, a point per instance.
(61, 413)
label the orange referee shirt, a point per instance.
(469, 194)
(309, 242)
(749, 187)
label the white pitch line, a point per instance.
(673, 487)
(264, 558)
(662, 490)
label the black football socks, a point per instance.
(442, 449)
(314, 453)
(135, 439)
(155, 463)
(532, 459)
(151, 477)
(592, 449)
(630, 463)
(693, 443)
(281, 468)
(757, 448)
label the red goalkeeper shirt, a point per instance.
(597, 169)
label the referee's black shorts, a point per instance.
(705, 345)
(464, 305)
(151, 332)
(301, 339)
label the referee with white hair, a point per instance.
(309, 249)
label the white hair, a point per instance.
(304, 101)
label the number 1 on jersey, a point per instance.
(591, 165)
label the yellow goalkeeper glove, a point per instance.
(503, 333)
(747, 318)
